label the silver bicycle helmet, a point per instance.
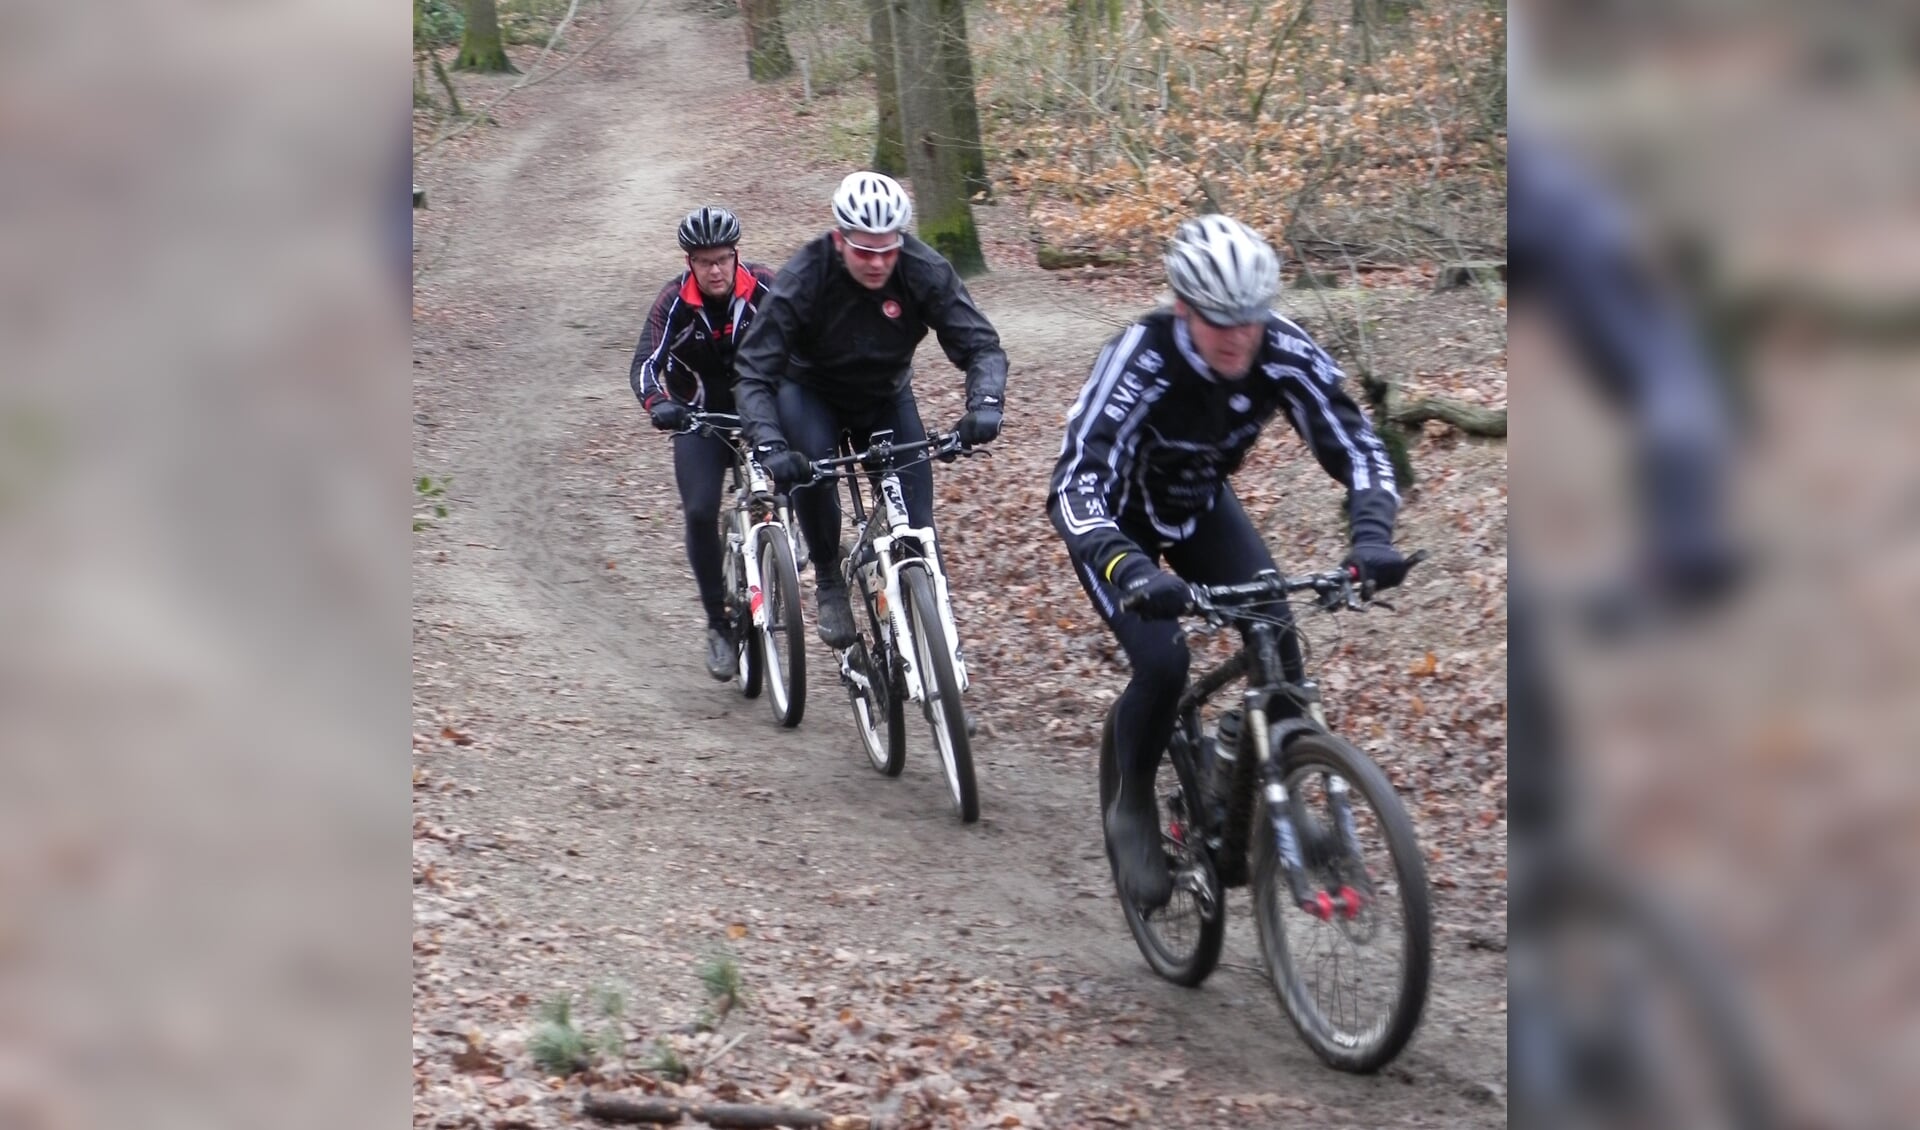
(1223, 270)
(711, 226)
(873, 203)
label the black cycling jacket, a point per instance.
(683, 354)
(821, 329)
(1155, 433)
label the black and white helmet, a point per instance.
(873, 203)
(711, 226)
(1223, 270)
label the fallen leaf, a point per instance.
(1425, 668)
(455, 736)
(736, 931)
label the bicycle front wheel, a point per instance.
(746, 651)
(940, 690)
(877, 692)
(1351, 966)
(783, 638)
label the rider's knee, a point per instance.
(1163, 669)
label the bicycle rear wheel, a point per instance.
(1181, 940)
(783, 639)
(940, 690)
(1352, 973)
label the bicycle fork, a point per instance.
(1346, 902)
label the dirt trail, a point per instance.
(615, 811)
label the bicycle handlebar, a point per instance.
(1337, 588)
(724, 424)
(882, 456)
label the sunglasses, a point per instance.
(870, 252)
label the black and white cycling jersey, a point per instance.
(1154, 434)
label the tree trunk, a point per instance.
(453, 96)
(933, 159)
(1080, 36)
(888, 156)
(1153, 19)
(480, 45)
(956, 64)
(767, 54)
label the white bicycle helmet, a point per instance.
(873, 203)
(1223, 270)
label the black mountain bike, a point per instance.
(1340, 891)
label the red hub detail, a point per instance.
(1320, 906)
(1177, 832)
(1350, 903)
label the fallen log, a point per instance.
(1051, 258)
(734, 1116)
(1469, 418)
(1470, 272)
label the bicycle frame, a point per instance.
(886, 541)
(1275, 708)
(759, 511)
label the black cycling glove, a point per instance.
(786, 468)
(670, 416)
(1378, 565)
(978, 426)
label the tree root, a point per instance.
(744, 1116)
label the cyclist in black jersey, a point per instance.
(833, 350)
(685, 363)
(1171, 409)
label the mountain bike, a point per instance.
(761, 581)
(909, 649)
(1339, 885)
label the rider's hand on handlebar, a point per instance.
(670, 416)
(1376, 566)
(978, 426)
(786, 468)
(1156, 594)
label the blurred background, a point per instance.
(1714, 214)
(203, 565)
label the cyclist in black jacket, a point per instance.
(1173, 406)
(685, 362)
(832, 350)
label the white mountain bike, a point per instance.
(761, 581)
(908, 650)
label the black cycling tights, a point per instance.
(1224, 549)
(813, 426)
(700, 467)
